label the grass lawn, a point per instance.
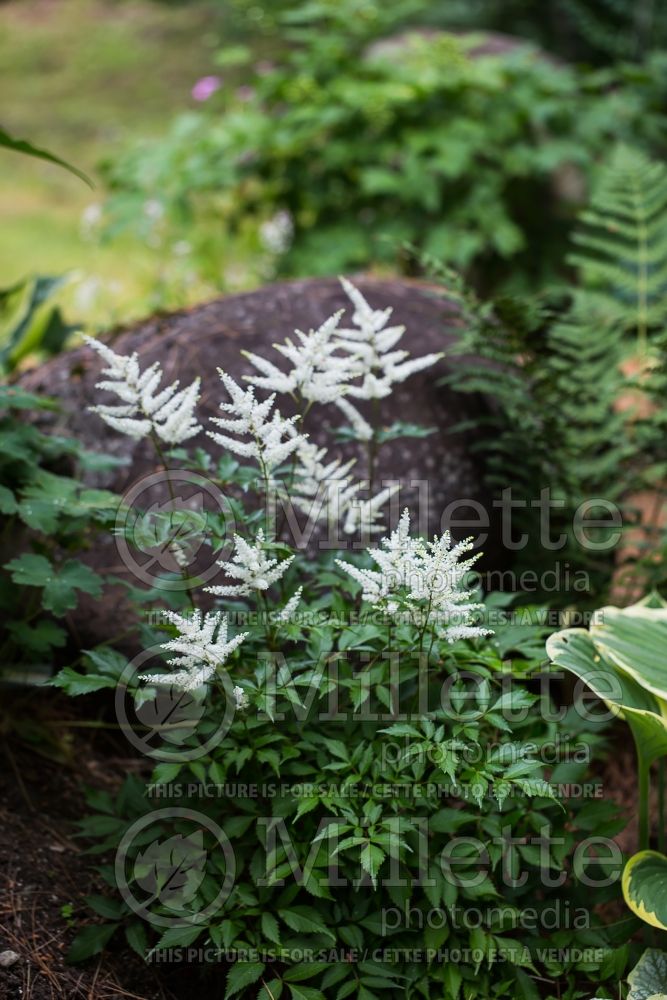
(83, 78)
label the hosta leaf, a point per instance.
(645, 888)
(635, 639)
(648, 979)
(574, 650)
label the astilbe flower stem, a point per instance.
(182, 566)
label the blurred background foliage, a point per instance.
(236, 141)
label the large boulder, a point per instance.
(435, 472)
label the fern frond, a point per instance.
(554, 381)
(622, 243)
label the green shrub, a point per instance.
(350, 147)
(56, 517)
(572, 29)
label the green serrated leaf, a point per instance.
(242, 974)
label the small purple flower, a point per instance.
(204, 88)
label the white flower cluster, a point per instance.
(326, 365)
(287, 613)
(167, 413)
(318, 373)
(325, 492)
(252, 566)
(423, 580)
(328, 362)
(370, 343)
(257, 572)
(241, 700)
(200, 651)
(272, 441)
(322, 489)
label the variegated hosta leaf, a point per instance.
(635, 640)
(645, 890)
(574, 650)
(648, 979)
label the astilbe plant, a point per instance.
(369, 713)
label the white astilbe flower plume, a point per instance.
(252, 566)
(326, 492)
(422, 580)
(287, 613)
(167, 413)
(395, 559)
(272, 441)
(241, 700)
(362, 515)
(319, 373)
(360, 426)
(370, 342)
(322, 489)
(200, 651)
